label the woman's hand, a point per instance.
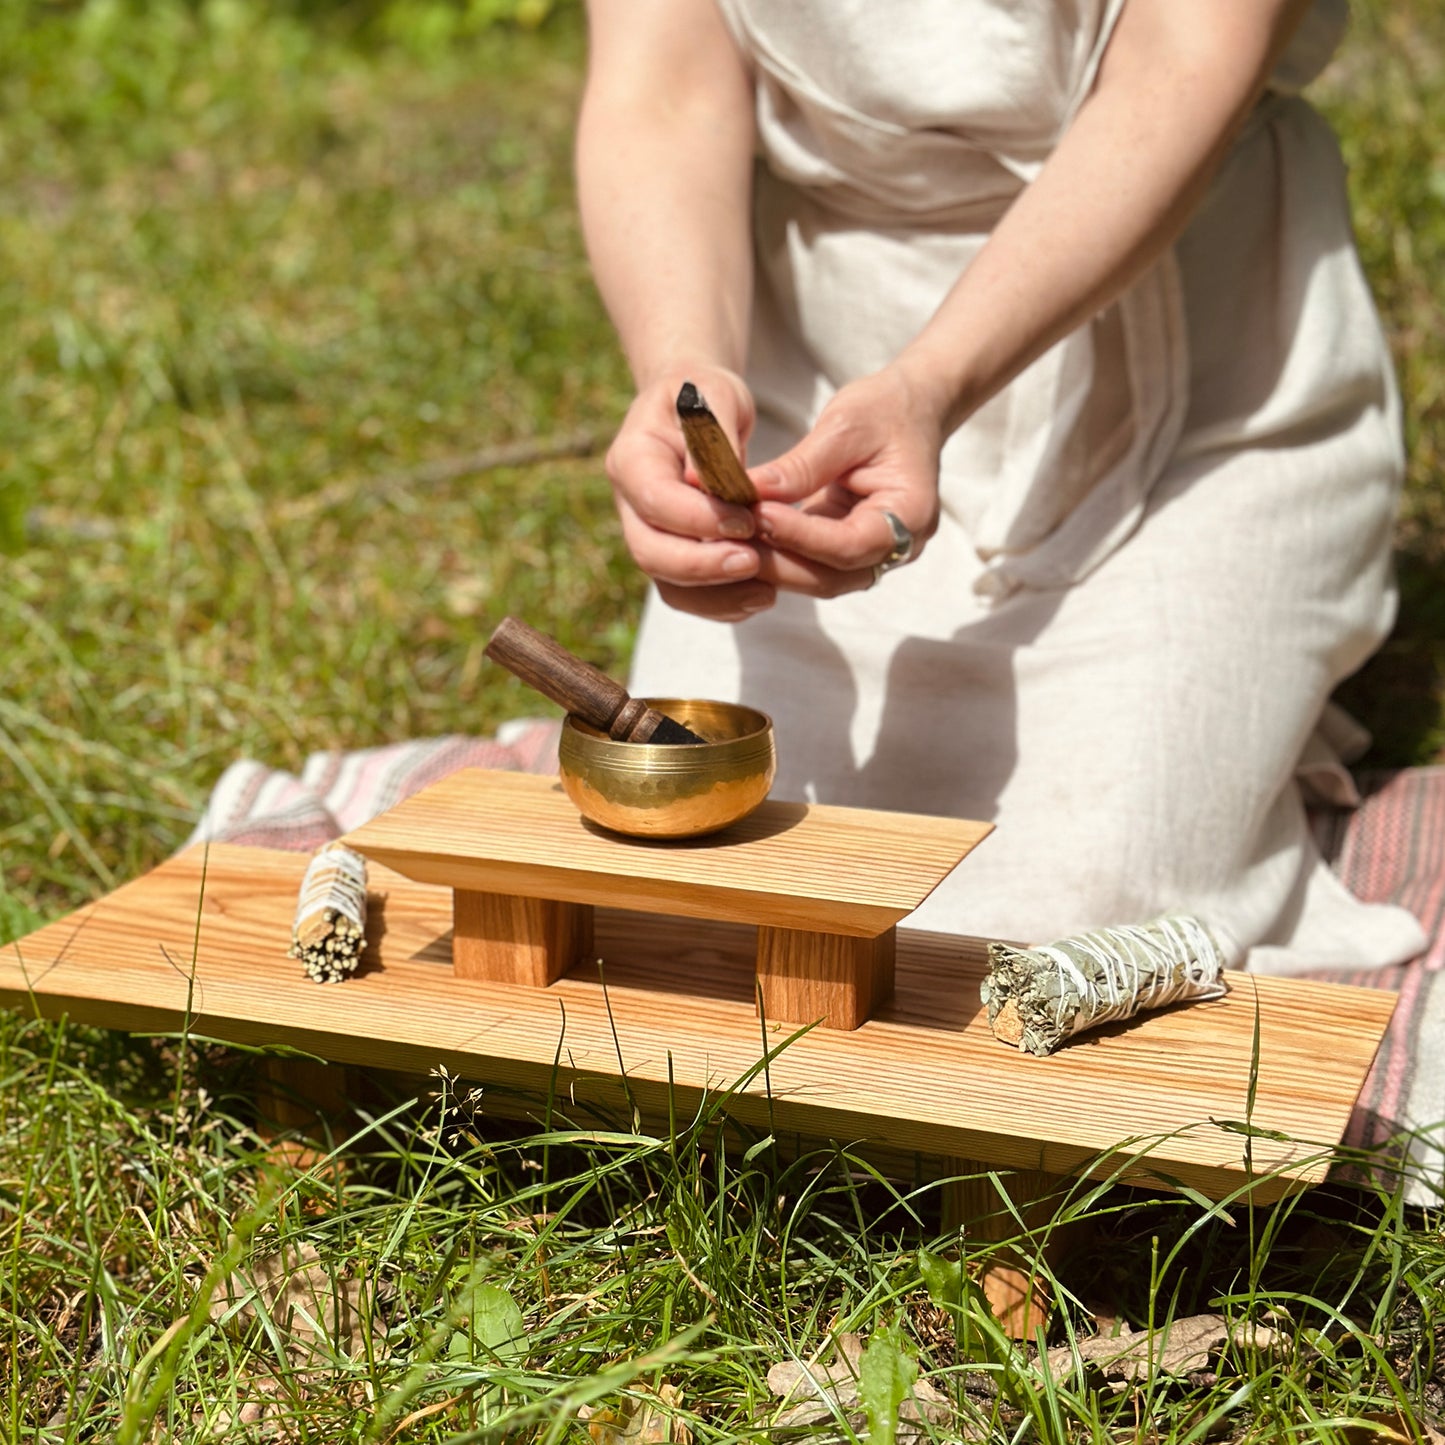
(697, 549)
(664, 180)
(873, 450)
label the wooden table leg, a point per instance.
(500, 938)
(1019, 1297)
(807, 976)
(303, 1107)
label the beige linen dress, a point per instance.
(1161, 547)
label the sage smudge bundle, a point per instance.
(1039, 997)
(329, 933)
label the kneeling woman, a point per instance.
(1075, 431)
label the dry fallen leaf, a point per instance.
(225, 1423)
(647, 1418)
(1180, 1348)
(1391, 1430)
(314, 1311)
(819, 1394)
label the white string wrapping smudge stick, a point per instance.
(329, 933)
(1039, 997)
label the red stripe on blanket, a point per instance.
(1394, 849)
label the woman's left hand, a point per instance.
(873, 450)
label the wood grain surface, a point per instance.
(788, 865)
(837, 980)
(500, 938)
(924, 1074)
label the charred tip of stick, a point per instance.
(690, 402)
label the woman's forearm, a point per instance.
(1176, 83)
(664, 177)
(664, 180)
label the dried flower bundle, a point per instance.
(330, 929)
(1040, 997)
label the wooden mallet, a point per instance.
(544, 664)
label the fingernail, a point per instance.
(736, 527)
(760, 603)
(765, 528)
(736, 563)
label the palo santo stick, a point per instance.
(718, 467)
(329, 933)
(1038, 998)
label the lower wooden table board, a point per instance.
(208, 932)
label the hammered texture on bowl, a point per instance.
(684, 790)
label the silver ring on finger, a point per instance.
(900, 552)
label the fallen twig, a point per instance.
(51, 523)
(585, 442)
(43, 522)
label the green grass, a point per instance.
(1384, 95)
(269, 271)
(287, 266)
(496, 1283)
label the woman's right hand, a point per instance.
(665, 152)
(698, 550)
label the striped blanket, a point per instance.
(1391, 848)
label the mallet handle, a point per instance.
(544, 664)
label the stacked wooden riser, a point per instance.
(672, 1001)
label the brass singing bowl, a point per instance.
(672, 790)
